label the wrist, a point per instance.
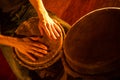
(13, 41)
(42, 15)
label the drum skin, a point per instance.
(92, 45)
(29, 28)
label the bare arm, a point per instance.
(46, 24)
(26, 46)
(39, 7)
(5, 40)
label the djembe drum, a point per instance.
(92, 46)
(29, 28)
(50, 66)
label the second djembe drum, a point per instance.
(92, 46)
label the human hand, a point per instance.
(46, 24)
(50, 27)
(28, 46)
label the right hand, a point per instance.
(50, 27)
(29, 46)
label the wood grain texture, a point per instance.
(72, 10)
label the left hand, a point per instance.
(50, 27)
(30, 45)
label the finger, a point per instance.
(37, 54)
(51, 31)
(29, 56)
(55, 31)
(40, 50)
(40, 45)
(46, 30)
(40, 29)
(34, 38)
(57, 23)
(58, 26)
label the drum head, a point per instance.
(29, 28)
(92, 45)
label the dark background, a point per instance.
(68, 10)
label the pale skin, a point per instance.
(28, 46)
(46, 24)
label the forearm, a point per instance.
(39, 7)
(46, 23)
(6, 40)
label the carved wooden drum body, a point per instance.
(29, 28)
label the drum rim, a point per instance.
(64, 43)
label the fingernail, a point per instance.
(55, 38)
(58, 35)
(45, 48)
(45, 52)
